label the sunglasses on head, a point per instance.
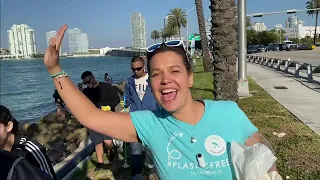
(137, 69)
(173, 43)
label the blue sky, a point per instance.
(107, 22)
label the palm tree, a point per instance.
(204, 42)
(155, 35)
(224, 44)
(177, 18)
(312, 4)
(248, 22)
(168, 32)
(163, 35)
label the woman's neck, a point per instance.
(8, 145)
(191, 113)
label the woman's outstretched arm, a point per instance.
(116, 125)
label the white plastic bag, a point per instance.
(251, 162)
(118, 144)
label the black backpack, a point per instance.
(18, 168)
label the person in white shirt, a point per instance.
(139, 97)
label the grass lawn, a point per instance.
(298, 152)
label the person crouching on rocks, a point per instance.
(61, 114)
(12, 141)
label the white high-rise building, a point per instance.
(78, 41)
(278, 26)
(50, 35)
(293, 21)
(83, 43)
(22, 40)
(300, 31)
(259, 26)
(139, 40)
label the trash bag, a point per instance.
(118, 144)
(253, 162)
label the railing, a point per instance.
(77, 160)
(302, 70)
(64, 168)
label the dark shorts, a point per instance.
(97, 138)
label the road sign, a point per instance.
(198, 38)
(190, 37)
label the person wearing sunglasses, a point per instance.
(188, 139)
(101, 94)
(139, 97)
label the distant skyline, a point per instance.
(107, 23)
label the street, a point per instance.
(303, 56)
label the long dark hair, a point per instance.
(6, 117)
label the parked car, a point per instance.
(304, 47)
(274, 47)
(261, 48)
(289, 45)
(252, 49)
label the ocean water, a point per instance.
(26, 87)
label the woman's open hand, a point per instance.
(51, 56)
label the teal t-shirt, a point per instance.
(174, 155)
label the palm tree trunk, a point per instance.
(224, 42)
(315, 28)
(204, 42)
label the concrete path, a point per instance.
(299, 99)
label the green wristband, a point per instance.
(58, 74)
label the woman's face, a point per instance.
(170, 80)
(4, 133)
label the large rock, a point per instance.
(30, 129)
(71, 147)
(120, 87)
(76, 135)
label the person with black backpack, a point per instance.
(18, 168)
(12, 141)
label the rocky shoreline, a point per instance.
(61, 138)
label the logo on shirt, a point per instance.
(215, 145)
(178, 160)
(174, 154)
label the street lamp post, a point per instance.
(188, 29)
(243, 85)
(164, 23)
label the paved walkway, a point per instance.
(300, 99)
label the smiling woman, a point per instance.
(188, 139)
